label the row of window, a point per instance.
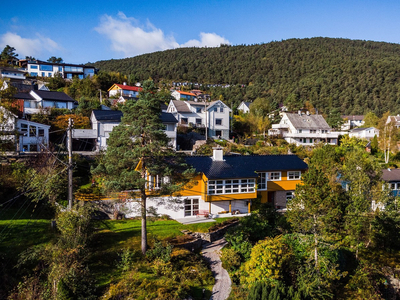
(231, 186)
(313, 131)
(310, 141)
(200, 121)
(263, 177)
(32, 131)
(38, 104)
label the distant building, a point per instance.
(35, 101)
(244, 107)
(394, 120)
(123, 90)
(48, 69)
(304, 129)
(179, 95)
(364, 133)
(352, 121)
(211, 115)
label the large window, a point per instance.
(46, 68)
(73, 69)
(34, 67)
(191, 207)
(184, 120)
(218, 121)
(262, 181)
(294, 175)
(231, 186)
(198, 121)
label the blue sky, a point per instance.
(88, 31)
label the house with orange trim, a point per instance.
(118, 90)
(179, 95)
(228, 185)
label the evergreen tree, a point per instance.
(141, 141)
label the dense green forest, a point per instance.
(352, 76)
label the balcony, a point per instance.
(330, 135)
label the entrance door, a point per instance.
(191, 207)
(271, 197)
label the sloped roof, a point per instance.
(308, 121)
(186, 93)
(391, 174)
(395, 119)
(50, 95)
(23, 95)
(108, 115)
(353, 117)
(116, 115)
(168, 118)
(244, 166)
(127, 87)
(181, 106)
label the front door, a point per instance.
(271, 197)
(191, 207)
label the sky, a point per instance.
(88, 31)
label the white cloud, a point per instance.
(128, 36)
(36, 47)
(207, 39)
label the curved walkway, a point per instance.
(222, 287)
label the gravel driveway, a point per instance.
(222, 287)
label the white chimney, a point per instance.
(218, 154)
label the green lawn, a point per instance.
(110, 239)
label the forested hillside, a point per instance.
(353, 76)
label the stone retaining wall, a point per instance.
(205, 237)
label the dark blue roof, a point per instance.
(168, 118)
(108, 115)
(115, 116)
(245, 166)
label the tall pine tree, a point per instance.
(140, 140)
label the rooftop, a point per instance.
(246, 166)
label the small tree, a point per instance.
(8, 55)
(140, 138)
(56, 60)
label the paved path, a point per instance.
(222, 287)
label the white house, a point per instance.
(12, 74)
(25, 135)
(32, 136)
(179, 95)
(103, 122)
(211, 115)
(35, 101)
(304, 129)
(244, 107)
(350, 122)
(395, 120)
(118, 90)
(48, 69)
(364, 133)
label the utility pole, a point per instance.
(101, 97)
(206, 113)
(70, 196)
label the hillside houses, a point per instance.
(103, 122)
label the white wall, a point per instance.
(174, 206)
